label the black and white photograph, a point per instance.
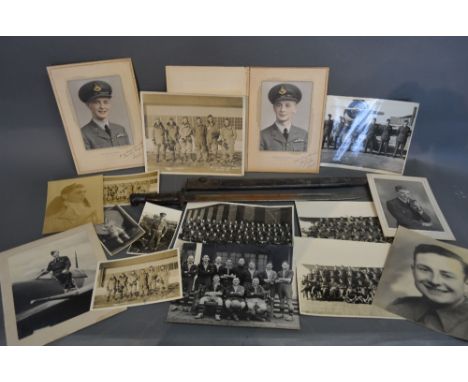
(285, 119)
(141, 280)
(408, 202)
(356, 221)
(426, 281)
(118, 188)
(118, 231)
(237, 285)
(47, 286)
(187, 134)
(367, 134)
(160, 225)
(235, 223)
(339, 278)
(285, 116)
(100, 110)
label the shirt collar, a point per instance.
(450, 317)
(281, 126)
(101, 124)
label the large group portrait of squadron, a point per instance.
(196, 140)
(353, 285)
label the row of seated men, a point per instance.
(134, 284)
(354, 285)
(215, 231)
(356, 229)
(236, 292)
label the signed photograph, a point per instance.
(339, 278)
(118, 231)
(73, 202)
(47, 286)
(426, 281)
(235, 223)
(160, 225)
(142, 280)
(186, 134)
(243, 285)
(99, 105)
(356, 221)
(285, 119)
(367, 134)
(408, 202)
(118, 188)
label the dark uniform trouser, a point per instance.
(384, 145)
(65, 279)
(399, 146)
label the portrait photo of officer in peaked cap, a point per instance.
(283, 134)
(99, 132)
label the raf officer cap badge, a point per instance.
(284, 92)
(94, 89)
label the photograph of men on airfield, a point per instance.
(367, 134)
(194, 134)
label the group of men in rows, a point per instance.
(200, 230)
(205, 140)
(114, 193)
(346, 133)
(137, 284)
(356, 228)
(236, 292)
(347, 284)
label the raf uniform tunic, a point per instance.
(95, 137)
(273, 139)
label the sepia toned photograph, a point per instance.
(142, 280)
(118, 188)
(356, 221)
(187, 134)
(367, 134)
(47, 286)
(160, 225)
(118, 231)
(408, 202)
(237, 285)
(99, 106)
(426, 281)
(339, 278)
(234, 223)
(73, 202)
(285, 119)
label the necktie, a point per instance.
(285, 134)
(106, 127)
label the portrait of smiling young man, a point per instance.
(440, 276)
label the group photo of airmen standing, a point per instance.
(236, 284)
(353, 285)
(194, 140)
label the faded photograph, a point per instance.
(73, 202)
(426, 281)
(231, 223)
(408, 202)
(194, 134)
(146, 279)
(160, 224)
(118, 188)
(339, 278)
(367, 133)
(237, 285)
(356, 221)
(285, 116)
(118, 231)
(101, 112)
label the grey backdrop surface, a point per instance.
(34, 149)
